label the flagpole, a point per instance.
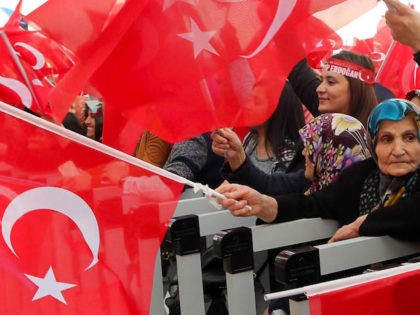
(390, 49)
(20, 68)
(61, 131)
(338, 284)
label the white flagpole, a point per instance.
(390, 49)
(61, 131)
(338, 284)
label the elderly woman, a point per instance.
(377, 196)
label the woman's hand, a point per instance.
(243, 201)
(227, 143)
(348, 231)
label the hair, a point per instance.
(362, 95)
(284, 124)
(98, 122)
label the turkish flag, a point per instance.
(399, 71)
(43, 63)
(394, 64)
(80, 228)
(393, 295)
(20, 85)
(182, 67)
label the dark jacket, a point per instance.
(291, 181)
(340, 201)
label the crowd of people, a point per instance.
(356, 159)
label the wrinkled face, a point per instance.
(309, 166)
(398, 147)
(333, 93)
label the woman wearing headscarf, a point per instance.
(377, 196)
(331, 142)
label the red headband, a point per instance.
(350, 70)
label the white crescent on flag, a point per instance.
(56, 199)
(19, 88)
(39, 57)
(283, 11)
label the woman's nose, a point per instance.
(399, 148)
(321, 88)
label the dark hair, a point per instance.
(284, 124)
(362, 95)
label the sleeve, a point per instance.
(152, 149)
(187, 158)
(401, 220)
(305, 82)
(339, 201)
(270, 184)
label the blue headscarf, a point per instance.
(394, 109)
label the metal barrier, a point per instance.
(346, 255)
(210, 220)
(237, 240)
(235, 249)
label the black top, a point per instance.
(341, 200)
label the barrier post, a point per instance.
(234, 247)
(184, 238)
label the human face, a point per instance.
(333, 93)
(398, 147)
(90, 124)
(309, 166)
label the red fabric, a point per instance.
(145, 67)
(14, 89)
(394, 64)
(400, 72)
(85, 205)
(43, 61)
(395, 295)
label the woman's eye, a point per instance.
(410, 137)
(385, 139)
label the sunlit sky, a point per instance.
(358, 28)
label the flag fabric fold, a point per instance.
(180, 68)
(389, 295)
(31, 66)
(80, 227)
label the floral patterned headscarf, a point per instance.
(333, 142)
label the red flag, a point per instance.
(80, 227)
(395, 295)
(394, 64)
(19, 84)
(26, 74)
(399, 71)
(179, 68)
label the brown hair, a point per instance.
(362, 95)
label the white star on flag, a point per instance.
(199, 39)
(49, 286)
(169, 3)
